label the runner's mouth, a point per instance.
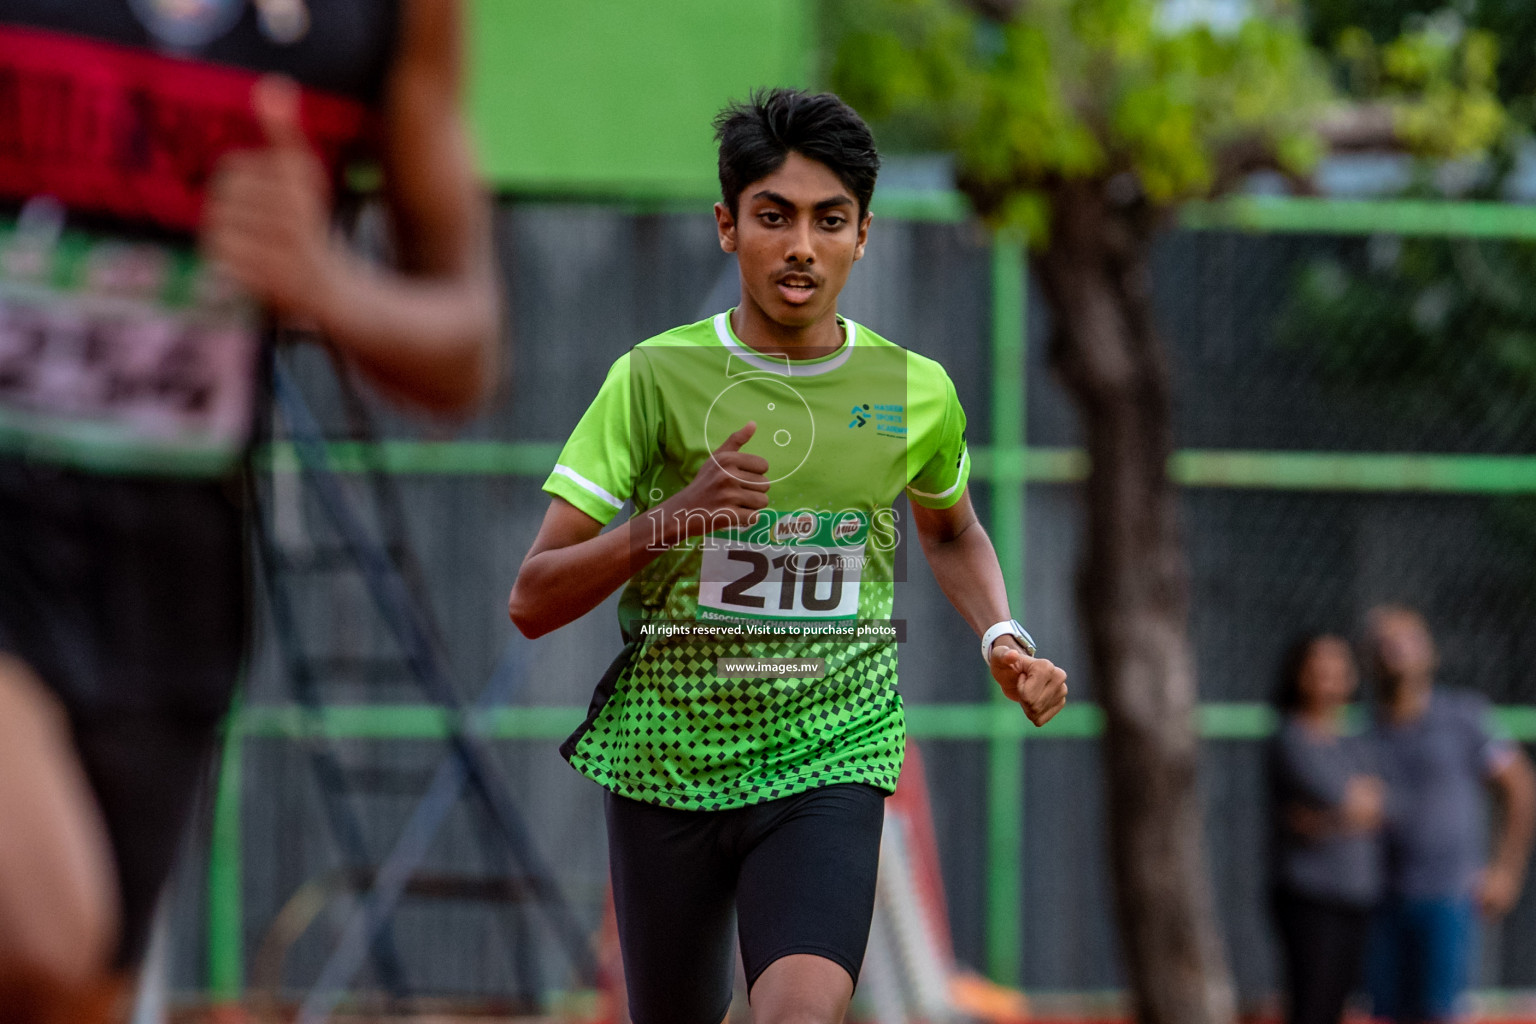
(797, 288)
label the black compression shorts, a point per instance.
(799, 871)
(128, 598)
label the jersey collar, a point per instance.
(785, 366)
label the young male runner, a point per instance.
(750, 728)
(141, 142)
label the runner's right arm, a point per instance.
(572, 565)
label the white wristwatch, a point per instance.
(1009, 627)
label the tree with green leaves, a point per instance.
(1083, 126)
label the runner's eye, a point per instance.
(771, 217)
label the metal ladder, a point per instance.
(382, 559)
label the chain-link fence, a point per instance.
(1336, 396)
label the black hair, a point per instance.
(756, 138)
(1287, 692)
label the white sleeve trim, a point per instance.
(590, 487)
(965, 457)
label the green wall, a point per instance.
(615, 97)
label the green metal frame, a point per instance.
(1008, 465)
(1214, 720)
(999, 464)
(1005, 754)
(226, 939)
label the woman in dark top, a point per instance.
(1326, 808)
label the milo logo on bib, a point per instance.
(787, 565)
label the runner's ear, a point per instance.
(725, 226)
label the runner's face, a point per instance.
(796, 234)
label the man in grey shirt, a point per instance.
(1439, 750)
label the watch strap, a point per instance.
(1008, 627)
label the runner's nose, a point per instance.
(800, 249)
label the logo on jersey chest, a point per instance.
(888, 418)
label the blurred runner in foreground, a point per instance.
(164, 197)
(1326, 800)
(1439, 750)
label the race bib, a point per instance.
(122, 355)
(800, 565)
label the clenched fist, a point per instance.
(1036, 685)
(728, 491)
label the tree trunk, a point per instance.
(1133, 590)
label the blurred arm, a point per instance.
(429, 331)
(1324, 801)
(426, 332)
(1360, 810)
(1514, 786)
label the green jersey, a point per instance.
(760, 661)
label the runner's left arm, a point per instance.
(965, 565)
(425, 332)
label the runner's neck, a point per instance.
(759, 332)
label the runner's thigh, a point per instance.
(672, 889)
(808, 883)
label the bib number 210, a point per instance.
(780, 581)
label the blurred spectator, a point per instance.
(1438, 751)
(1326, 809)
